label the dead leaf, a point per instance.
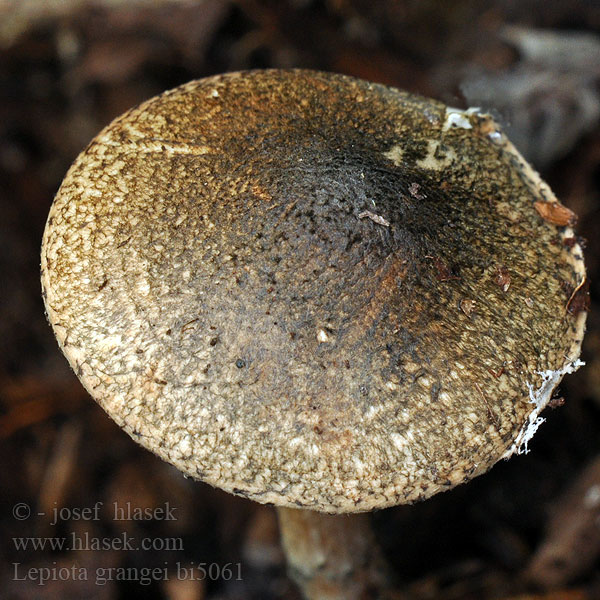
(375, 218)
(467, 305)
(444, 273)
(414, 191)
(579, 300)
(502, 277)
(555, 213)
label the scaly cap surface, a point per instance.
(311, 290)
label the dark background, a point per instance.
(528, 529)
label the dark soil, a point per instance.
(65, 72)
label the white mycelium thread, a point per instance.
(540, 397)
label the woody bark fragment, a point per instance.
(572, 543)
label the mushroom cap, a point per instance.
(312, 290)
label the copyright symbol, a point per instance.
(21, 511)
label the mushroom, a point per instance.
(316, 292)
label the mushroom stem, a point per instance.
(332, 557)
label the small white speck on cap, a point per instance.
(185, 447)
(359, 464)
(322, 336)
(398, 440)
(456, 118)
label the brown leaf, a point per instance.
(414, 191)
(502, 277)
(580, 298)
(375, 218)
(555, 213)
(444, 273)
(466, 305)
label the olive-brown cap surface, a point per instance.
(312, 290)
